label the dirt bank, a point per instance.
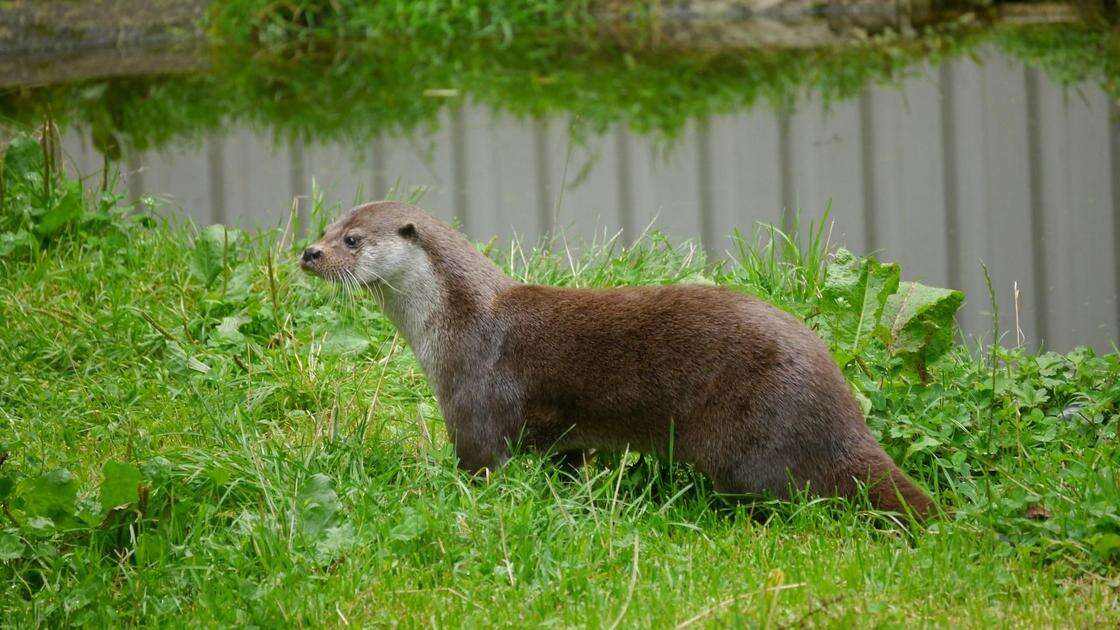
(52, 26)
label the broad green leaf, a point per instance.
(854, 294)
(345, 341)
(22, 157)
(334, 542)
(1107, 545)
(863, 401)
(197, 365)
(239, 284)
(411, 526)
(7, 483)
(40, 525)
(316, 505)
(918, 323)
(697, 277)
(925, 443)
(227, 331)
(15, 241)
(215, 247)
(51, 495)
(80, 597)
(11, 547)
(157, 468)
(64, 210)
(219, 474)
(120, 485)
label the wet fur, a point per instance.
(736, 387)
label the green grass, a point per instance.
(249, 445)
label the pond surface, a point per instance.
(977, 160)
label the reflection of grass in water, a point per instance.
(1067, 54)
(270, 21)
(356, 92)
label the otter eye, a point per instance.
(351, 241)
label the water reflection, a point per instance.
(961, 163)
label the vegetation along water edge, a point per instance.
(307, 71)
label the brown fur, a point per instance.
(738, 388)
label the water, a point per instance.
(965, 162)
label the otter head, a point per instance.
(375, 243)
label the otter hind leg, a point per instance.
(736, 464)
(756, 475)
(759, 456)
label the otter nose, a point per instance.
(311, 254)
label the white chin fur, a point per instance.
(408, 290)
(391, 262)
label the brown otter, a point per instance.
(738, 388)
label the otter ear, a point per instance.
(408, 230)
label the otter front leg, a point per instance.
(479, 454)
(480, 432)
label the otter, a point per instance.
(740, 389)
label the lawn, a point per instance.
(192, 432)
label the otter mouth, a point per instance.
(322, 265)
(331, 274)
(311, 269)
(323, 274)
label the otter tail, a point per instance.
(895, 492)
(889, 489)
